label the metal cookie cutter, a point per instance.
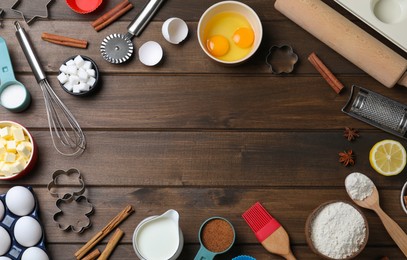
(281, 59)
(73, 213)
(74, 208)
(35, 16)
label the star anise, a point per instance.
(347, 158)
(350, 133)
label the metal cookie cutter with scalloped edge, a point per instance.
(281, 59)
(66, 183)
(73, 213)
(74, 209)
(35, 16)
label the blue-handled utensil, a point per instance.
(13, 94)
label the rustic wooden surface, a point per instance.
(199, 137)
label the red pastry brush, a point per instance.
(268, 231)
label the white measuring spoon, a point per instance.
(372, 202)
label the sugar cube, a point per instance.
(78, 61)
(76, 89)
(68, 86)
(73, 79)
(70, 63)
(91, 73)
(72, 70)
(63, 78)
(63, 68)
(87, 65)
(91, 81)
(83, 75)
(84, 87)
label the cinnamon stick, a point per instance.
(92, 255)
(114, 17)
(65, 41)
(113, 241)
(336, 85)
(127, 211)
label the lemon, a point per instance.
(388, 157)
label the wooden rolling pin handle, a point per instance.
(394, 230)
(403, 80)
(347, 39)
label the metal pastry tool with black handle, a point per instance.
(117, 48)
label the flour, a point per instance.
(358, 186)
(338, 230)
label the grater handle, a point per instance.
(29, 52)
(141, 20)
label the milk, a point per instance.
(388, 11)
(13, 96)
(158, 239)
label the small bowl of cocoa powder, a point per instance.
(216, 236)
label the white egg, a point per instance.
(27, 231)
(34, 253)
(2, 211)
(150, 53)
(5, 241)
(4, 258)
(174, 30)
(20, 200)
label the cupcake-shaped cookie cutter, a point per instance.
(74, 209)
(281, 59)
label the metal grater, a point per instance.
(377, 110)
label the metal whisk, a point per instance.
(62, 124)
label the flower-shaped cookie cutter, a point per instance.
(73, 213)
(74, 208)
(281, 59)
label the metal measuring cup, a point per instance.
(206, 254)
(13, 94)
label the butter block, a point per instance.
(6, 170)
(9, 157)
(27, 144)
(3, 142)
(5, 132)
(18, 134)
(11, 146)
(23, 150)
(3, 150)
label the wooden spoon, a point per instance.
(394, 230)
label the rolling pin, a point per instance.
(350, 41)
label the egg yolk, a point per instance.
(217, 45)
(243, 37)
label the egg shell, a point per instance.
(174, 30)
(4, 258)
(20, 201)
(2, 210)
(27, 231)
(5, 241)
(34, 253)
(150, 53)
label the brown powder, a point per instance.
(217, 235)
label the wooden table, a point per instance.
(201, 138)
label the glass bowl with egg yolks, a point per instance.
(229, 32)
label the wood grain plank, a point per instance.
(195, 205)
(263, 159)
(60, 11)
(171, 102)
(185, 58)
(126, 252)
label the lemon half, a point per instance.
(388, 157)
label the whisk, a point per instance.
(66, 134)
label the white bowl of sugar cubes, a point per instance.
(79, 75)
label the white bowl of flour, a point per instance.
(337, 230)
